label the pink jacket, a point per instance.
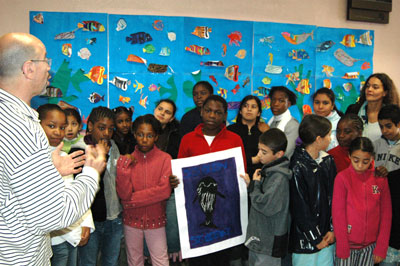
(144, 187)
(361, 212)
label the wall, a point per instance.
(326, 13)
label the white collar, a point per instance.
(282, 118)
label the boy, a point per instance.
(387, 162)
(281, 99)
(267, 231)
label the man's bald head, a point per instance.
(15, 49)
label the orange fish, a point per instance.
(304, 86)
(124, 99)
(266, 102)
(223, 50)
(365, 65)
(200, 50)
(327, 83)
(297, 39)
(143, 101)
(65, 105)
(236, 89)
(235, 37)
(96, 74)
(137, 59)
(306, 109)
(202, 32)
(349, 40)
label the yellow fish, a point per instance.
(349, 40)
(223, 92)
(143, 101)
(241, 54)
(327, 83)
(124, 99)
(328, 70)
(139, 86)
(304, 86)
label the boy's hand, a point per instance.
(246, 179)
(381, 171)
(377, 259)
(262, 126)
(329, 237)
(173, 181)
(257, 175)
(84, 236)
(255, 159)
(66, 165)
(323, 244)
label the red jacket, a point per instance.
(194, 143)
(361, 212)
(143, 188)
(341, 157)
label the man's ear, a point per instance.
(28, 69)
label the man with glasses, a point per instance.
(33, 199)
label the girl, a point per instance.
(350, 126)
(123, 136)
(72, 137)
(106, 208)
(324, 105)
(378, 90)
(362, 209)
(311, 191)
(143, 186)
(65, 241)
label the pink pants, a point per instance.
(156, 242)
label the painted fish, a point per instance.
(298, 54)
(233, 105)
(96, 74)
(171, 36)
(213, 79)
(344, 58)
(266, 40)
(307, 109)
(121, 83)
(200, 50)
(273, 69)
(158, 25)
(325, 46)
(304, 86)
(143, 101)
(69, 35)
(212, 63)
(224, 50)
(38, 18)
(154, 87)
(351, 75)
(235, 38)
(262, 91)
(347, 86)
(246, 81)
(232, 73)
(95, 97)
(348, 40)
(165, 51)
(84, 53)
(266, 102)
(66, 49)
(266, 80)
(156, 68)
(149, 49)
(328, 70)
(121, 24)
(292, 78)
(91, 25)
(65, 105)
(241, 54)
(327, 83)
(124, 100)
(365, 38)
(297, 39)
(365, 65)
(53, 92)
(202, 32)
(139, 86)
(236, 89)
(91, 41)
(139, 37)
(137, 59)
(222, 92)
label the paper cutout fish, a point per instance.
(365, 65)
(325, 46)
(158, 25)
(95, 97)
(266, 80)
(233, 105)
(262, 91)
(149, 49)
(121, 83)
(266, 40)
(121, 24)
(139, 37)
(69, 35)
(171, 36)
(212, 63)
(222, 92)
(137, 59)
(52, 92)
(214, 79)
(143, 101)
(328, 70)
(297, 39)
(304, 86)
(235, 38)
(139, 86)
(340, 97)
(232, 73)
(65, 105)
(365, 38)
(266, 102)
(91, 41)
(307, 109)
(292, 78)
(91, 25)
(348, 40)
(298, 54)
(96, 74)
(66, 49)
(156, 68)
(165, 51)
(236, 89)
(351, 75)
(124, 100)
(271, 68)
(224, 47)
(241, 54)
(347, 86)
(200, 50)
(84, 53)
(245, 82)
(202, 32)
(154, 87)
(327, 83)
(38, 18)
(344, 58)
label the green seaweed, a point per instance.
(172, 90)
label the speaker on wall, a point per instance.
(376, 11)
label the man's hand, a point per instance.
(381, 171)
(66, 165)
(377, 259)
(105, 145)
(96, 157)
(173, 181)
(84, 236)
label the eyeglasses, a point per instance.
(47, 60)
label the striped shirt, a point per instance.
(33, 198)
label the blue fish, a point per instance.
(95, 97)
(325, 46)
(139, 37)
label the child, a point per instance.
(361, 210)
(311, 194)
(65, 241)
(72, 137)
(123, 136)
(267, 231)
(143, 186)
(349, 127)
(281, 99)
(190, 120)
(106, 208)
(387, 160)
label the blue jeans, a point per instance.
(64, 254)
(107, 239)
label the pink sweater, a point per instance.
(144, 187)
(361, 212)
